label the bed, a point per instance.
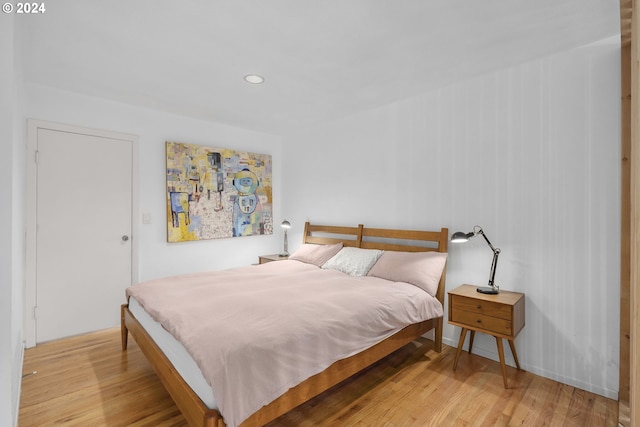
(194, 397)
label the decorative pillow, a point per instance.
(315, 254)
(353, 261)
(422, 269)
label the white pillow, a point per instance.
(315, 254)
(422, 269)
(353, 261)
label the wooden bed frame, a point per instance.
(198, 414)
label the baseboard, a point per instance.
(574, 382)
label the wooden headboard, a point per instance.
(381, 238)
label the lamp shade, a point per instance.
(461, 237)
(285, 224)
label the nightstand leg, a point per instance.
(473, 334)
(502, 364)
(463, 334)
(515, 355)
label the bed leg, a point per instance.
(438, 336)
(124, 332)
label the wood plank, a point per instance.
(88, 380)
(634, 297)
(625, 230)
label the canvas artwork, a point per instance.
(214, 193)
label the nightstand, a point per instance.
(263, 259)
(500, 315)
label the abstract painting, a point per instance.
(214, 193)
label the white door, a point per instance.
(83, 238)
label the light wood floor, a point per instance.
(89, 381)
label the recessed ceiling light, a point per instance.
(254, 78)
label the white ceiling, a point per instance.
(321, 59)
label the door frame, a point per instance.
(33, 125)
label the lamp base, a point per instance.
(487, 290)
(283, 255)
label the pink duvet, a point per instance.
(257, 331)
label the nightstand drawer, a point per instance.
(482, 321)
(474, 305)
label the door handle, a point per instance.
(125, 238)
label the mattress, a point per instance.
(176, 353)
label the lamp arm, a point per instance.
(494, 263)
(488, 242)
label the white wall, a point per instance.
(157, 257)
(530, 153)
(11, 225)
(18, 249)
(6, 288)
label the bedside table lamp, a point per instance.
(460, 237)
(285, 226)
